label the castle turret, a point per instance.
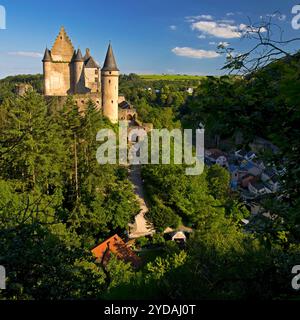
(110, 86)
(78, 63)
(87, 54)
(57, 65)
(47, 61)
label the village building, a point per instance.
(22, 88)
(247, 179)
(216, 156)
(115, 246)
(258, 188)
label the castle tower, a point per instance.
(62, 50)
(57, 65)
(78, 63)
(47, 62)
(110, 86)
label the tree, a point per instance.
(218, 182)
(269, 46)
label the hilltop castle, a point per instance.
(68, 72)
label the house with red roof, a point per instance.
(115, 246)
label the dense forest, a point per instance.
(56, 202)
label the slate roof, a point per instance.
(91, 63)
(47, 56)
(110, 61)
(258, 185)
(78, 56)
(270, 172)
(124, 105)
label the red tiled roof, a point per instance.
(119, 248)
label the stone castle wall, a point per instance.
(57, 78)
(110, 94)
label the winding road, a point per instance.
(141, 227)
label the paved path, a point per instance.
(141, 227)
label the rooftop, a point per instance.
(118, 247)
(110, 62)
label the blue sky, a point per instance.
(148, 36)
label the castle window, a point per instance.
(96, 71)
(109, 81)
(96, 79)
(109, 72)
(112, 101)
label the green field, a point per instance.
(169, 77)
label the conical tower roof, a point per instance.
(78, 56)
(110, 62)
(87, 54)
(47, 56)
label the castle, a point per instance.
(68, 72)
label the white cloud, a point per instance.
(231, 14)
(227, 21)
(212, 43)
(30, 54)
(200, 17)
(224, 44)
(251, 29)
(173, 28)
(206, 17)
(202, 36)
(220, 30)
(195, 53)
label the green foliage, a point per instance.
(56, 201)
(162, 216)
(119, 272)
(176, 197)
(218, 182)
(142, 242)
(264, 104)
(158, 239)
(47, 262)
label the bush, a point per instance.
(158, 239)
(142, 242)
